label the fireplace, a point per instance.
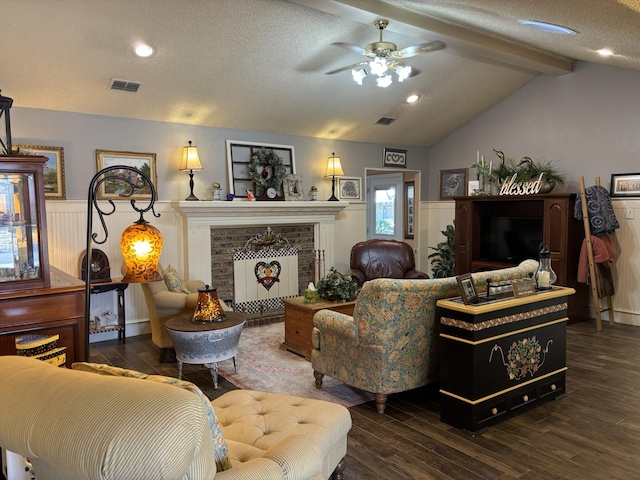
(211, 230)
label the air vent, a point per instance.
(385, 121)
(125, 85)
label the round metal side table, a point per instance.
(206, 344)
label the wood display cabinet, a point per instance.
(35, 299)
(24, 256)
(500, 231)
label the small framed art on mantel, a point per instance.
(350, 188)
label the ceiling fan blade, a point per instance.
(414, 50)
(350, 46)
(348, 67)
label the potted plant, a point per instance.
(338, 287)
(443, 259)
(529, 170)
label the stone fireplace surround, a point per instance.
(202, 219)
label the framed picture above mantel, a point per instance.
(244, 167)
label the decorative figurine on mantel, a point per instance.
(314, 193)
(216, 191)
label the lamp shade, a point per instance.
(190, 158)
(208, 308)
(141, 245)
(334, 168)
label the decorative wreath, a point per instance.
(261, 159)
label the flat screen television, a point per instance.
(510, 239)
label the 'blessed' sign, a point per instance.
(510, 187)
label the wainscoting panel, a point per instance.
(351, 228)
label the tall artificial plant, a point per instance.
(443, 258)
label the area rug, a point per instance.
(262, 365)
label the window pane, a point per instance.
(385, 210)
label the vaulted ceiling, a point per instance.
(261, 65)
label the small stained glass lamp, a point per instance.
(208, 309)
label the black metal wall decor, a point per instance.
(5, 105)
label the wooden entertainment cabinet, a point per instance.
(559, 228)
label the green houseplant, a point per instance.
(443, 258)
(338, 287)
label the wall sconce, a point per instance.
(141, 243)
(191, 162)
(5, 105)
(334, 169)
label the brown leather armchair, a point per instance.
(383, 259)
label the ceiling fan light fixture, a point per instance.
(378, 66)
(384, 81)
(403, 72)
(358, 75)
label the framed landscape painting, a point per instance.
(114, 190)
(54, 188)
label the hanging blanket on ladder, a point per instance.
(602, 218)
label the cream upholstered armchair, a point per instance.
(164, 303)
(390, 344)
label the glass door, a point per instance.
(384, 206)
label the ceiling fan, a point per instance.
(385, 57)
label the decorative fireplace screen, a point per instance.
(265, 271)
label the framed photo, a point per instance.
(394, 158)
(453, 183)
(112, 190)
(292, 187)
(54, 188)
(467, 289)
(409, 202)
(625, 185)
(349, 188)
(238, 160)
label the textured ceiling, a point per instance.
(259, 65)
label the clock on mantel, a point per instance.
(270, 194)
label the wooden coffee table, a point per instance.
(298, 322)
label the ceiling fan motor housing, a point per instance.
(380, 49)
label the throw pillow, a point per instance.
(220, 445)
(173, 281)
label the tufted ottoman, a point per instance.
(252, 422)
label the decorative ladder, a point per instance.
(593, 271)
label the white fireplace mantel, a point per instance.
(199, 217)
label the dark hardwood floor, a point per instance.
(592, 433)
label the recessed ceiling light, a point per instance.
(412, 98)
(605, 52)
(547, 27)
(143, 50)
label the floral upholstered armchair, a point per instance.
(390, 344)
